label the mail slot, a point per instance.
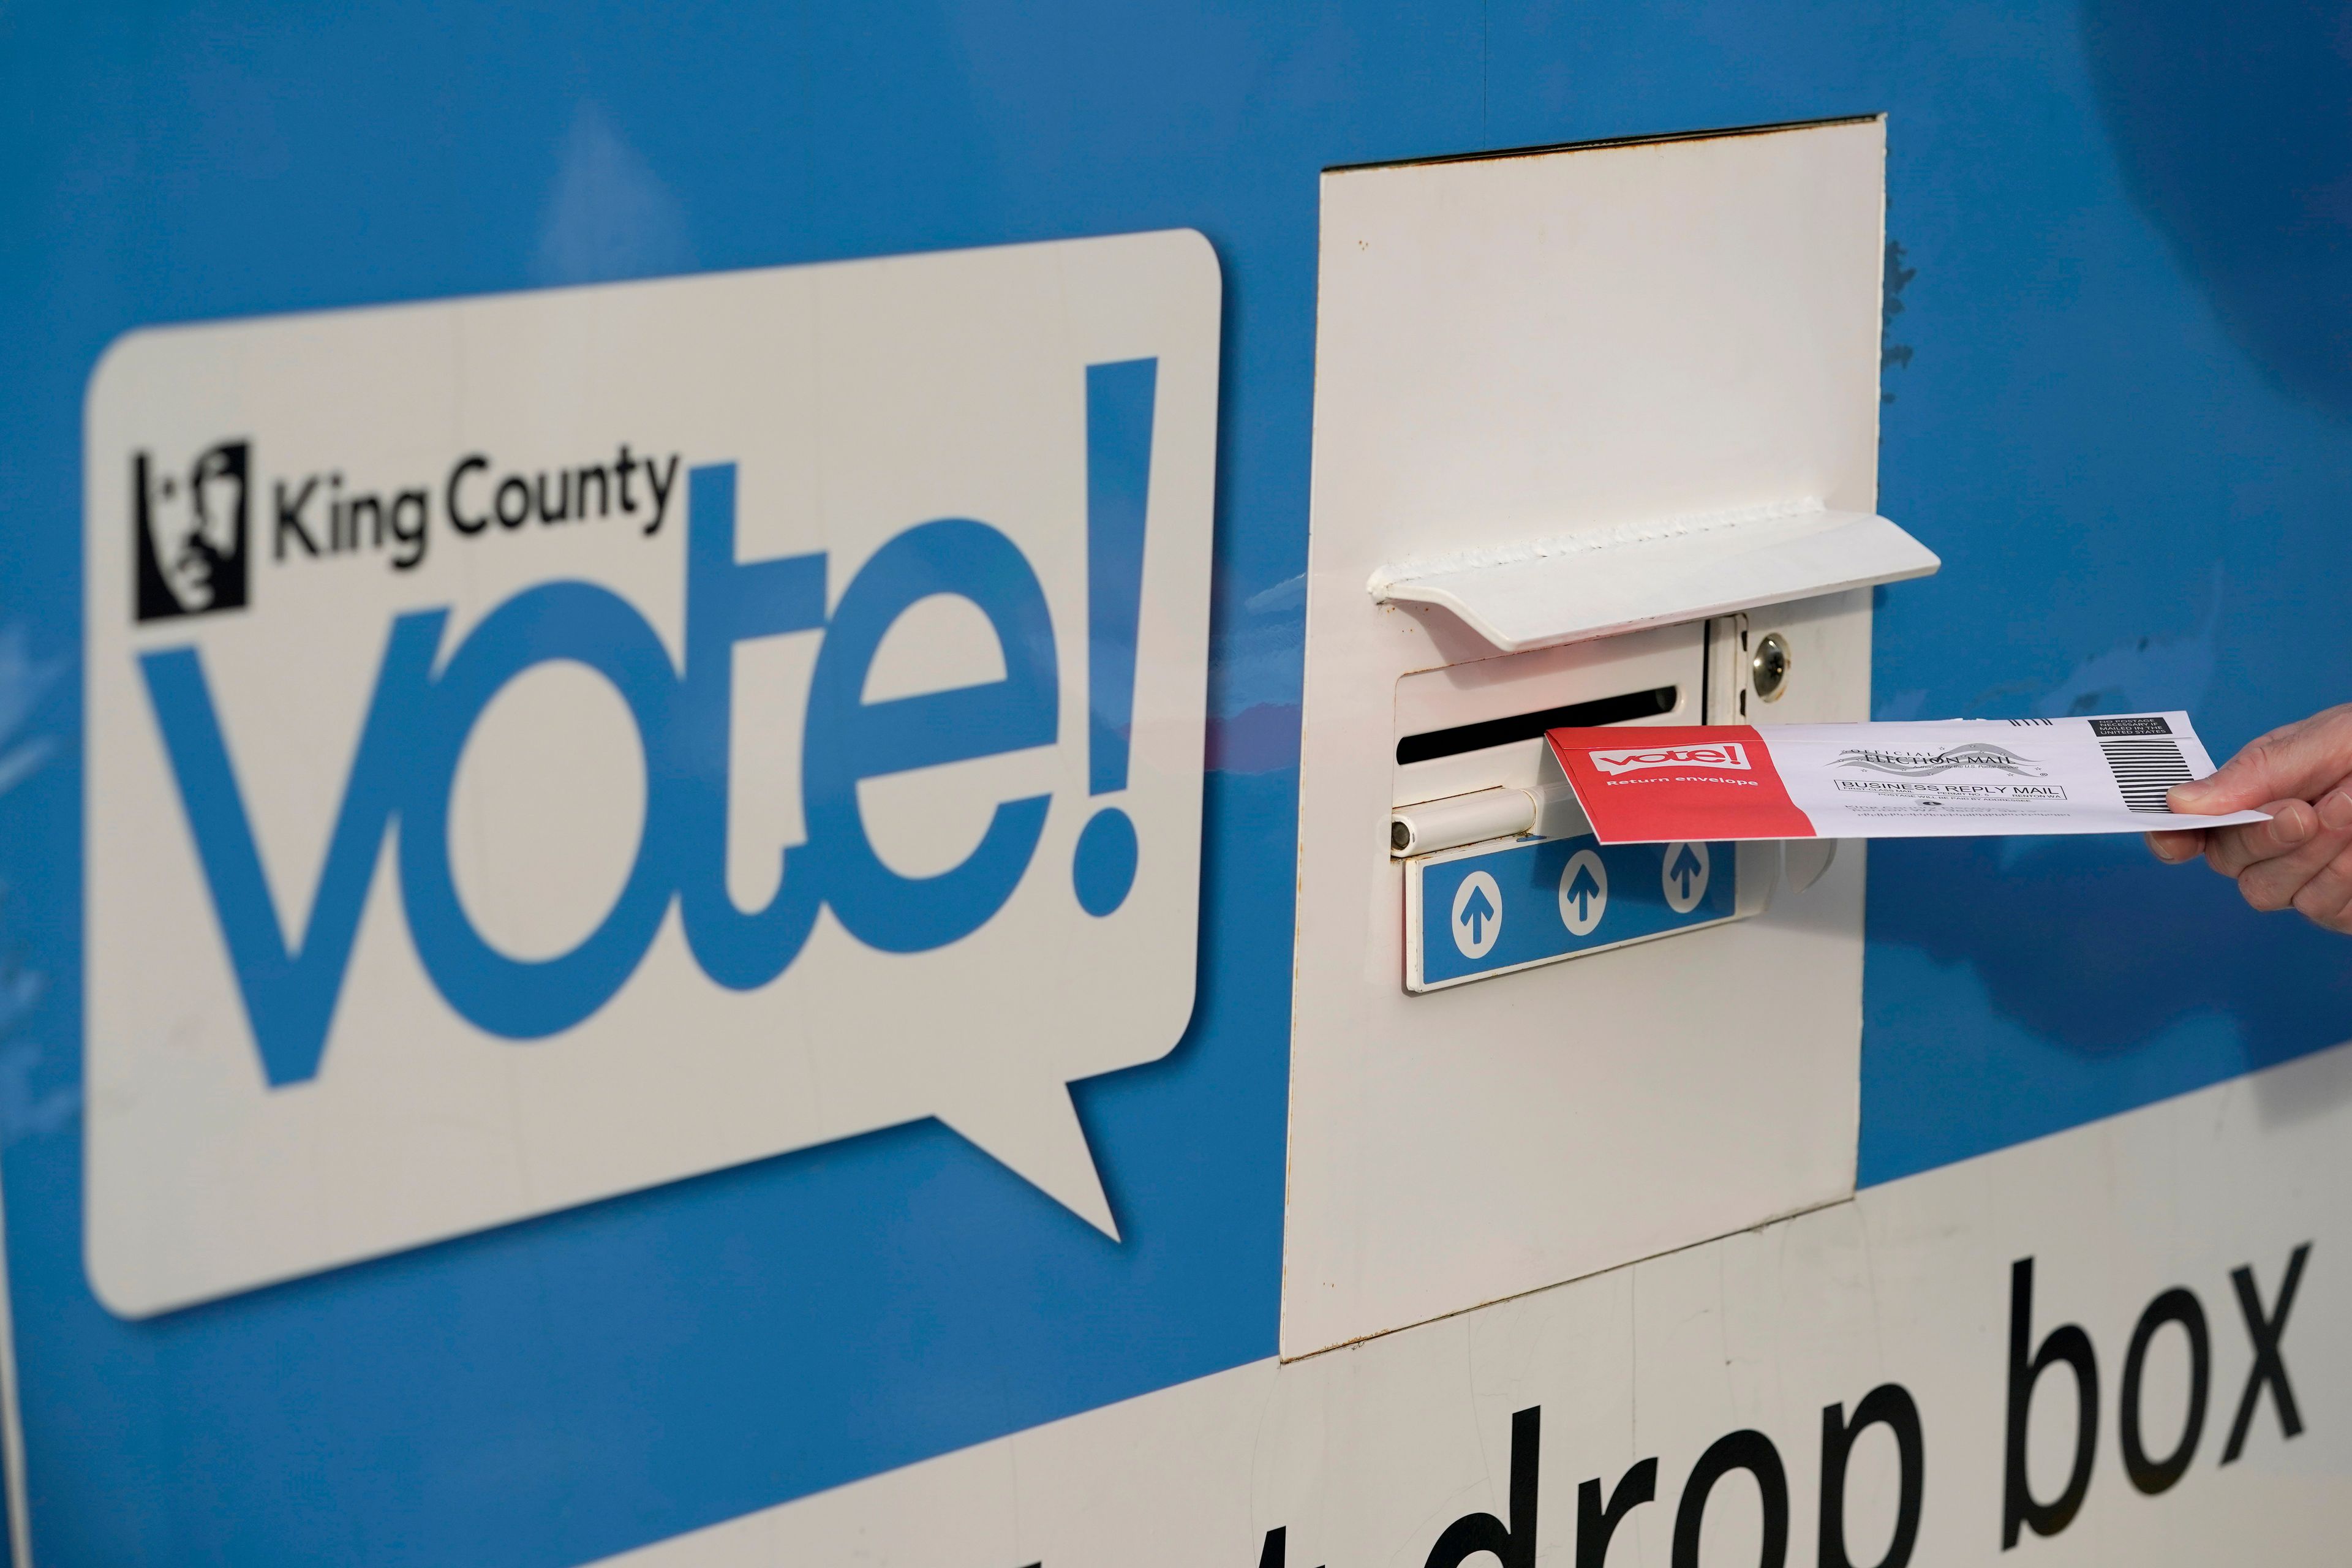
(1474, 778)
(1480, 806)
(1595, 443)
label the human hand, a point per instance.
(2302, 858)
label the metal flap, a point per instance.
(1597, 584)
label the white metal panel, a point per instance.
(1511, 351)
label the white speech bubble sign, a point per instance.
(856, 402)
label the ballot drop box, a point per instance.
(1595, 443)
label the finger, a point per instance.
(2172, 849)
(2336, 808)
(2291, 826)
(2326, 897)
(2297, 761)
(2273, 884)
(2339, 920)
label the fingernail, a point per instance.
(2184, 797)
(2336, 811)
(2167, 846)
(2294, 822)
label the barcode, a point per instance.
(2144, 769)
(2038, 723)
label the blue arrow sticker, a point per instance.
(1552, 898)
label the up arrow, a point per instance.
(1685, 868)
(1477, 912)
(1583, 890)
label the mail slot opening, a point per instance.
(1431, 744)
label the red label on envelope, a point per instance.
(1677, 783)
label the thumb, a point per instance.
(2297, 763)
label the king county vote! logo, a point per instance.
(652, 738)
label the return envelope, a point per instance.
(1951, 778)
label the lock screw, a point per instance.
(1768, 672)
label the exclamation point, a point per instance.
(1118, 481)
